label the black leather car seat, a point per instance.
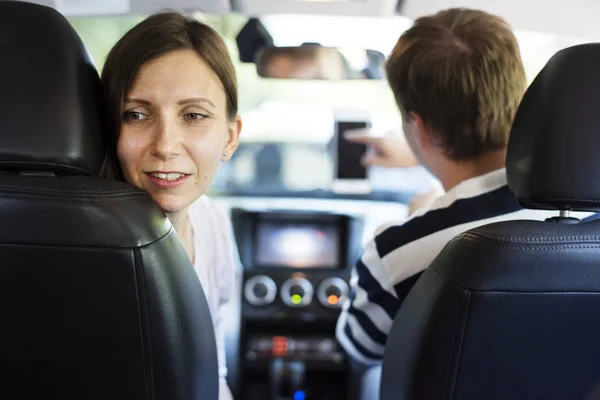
(98, 299)
(511, 310)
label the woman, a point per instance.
(172, 108)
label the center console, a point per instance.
(296, 271)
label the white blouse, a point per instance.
(215, 261)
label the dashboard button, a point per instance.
(332, 292)
(260, 290)
(296, 292)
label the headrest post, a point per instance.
(565, 213)
(564, 218)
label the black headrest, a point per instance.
(553, 159)
(51, 107)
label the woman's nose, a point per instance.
(167, 143)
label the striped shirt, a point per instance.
(393, 261)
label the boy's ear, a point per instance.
(424, 137)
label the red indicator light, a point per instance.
(280, 346)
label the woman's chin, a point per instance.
(172, 204)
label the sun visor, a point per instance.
(81, 8)
(576, 18)
(372, 8)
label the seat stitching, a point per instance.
(462, 326)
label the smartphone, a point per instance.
(350, 176)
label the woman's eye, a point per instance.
(194, 117)
(134, 116)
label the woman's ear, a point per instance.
(233, 138)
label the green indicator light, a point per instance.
(296, 299)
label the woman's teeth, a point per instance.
(167, 177)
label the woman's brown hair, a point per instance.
(152, 38)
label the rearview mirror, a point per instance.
(317, 62)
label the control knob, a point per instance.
(332, 292)
(296, 292)
(260, 290)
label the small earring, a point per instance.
(224, 156)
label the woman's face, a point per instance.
(175, 130)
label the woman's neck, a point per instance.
(182, 225)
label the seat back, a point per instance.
(98, 299)
(511, 310)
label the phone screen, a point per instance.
(348, 153)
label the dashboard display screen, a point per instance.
(297, 245)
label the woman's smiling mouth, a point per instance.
(167, 180)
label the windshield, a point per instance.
(288, 124)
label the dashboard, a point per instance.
(296, 261)
(297, 265)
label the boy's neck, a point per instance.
(451, 173)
